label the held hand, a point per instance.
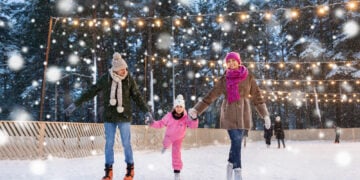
(267, 122)
(193, 113)
(149, 118)
(70, 109)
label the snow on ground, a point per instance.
(301, 160)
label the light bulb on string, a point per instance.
(352, 5)
(281, 65)
(158, 23)
(244, 17)
(322, 10)
(177, 22)
(268, 15)
(199, 19)
(90, 23)
(106, 23)
(75, 22)
(220, 19)
(122, 22)
(140, 23)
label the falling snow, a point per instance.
(20, 114)
(351, 29)
(73, 59)
(164, 41)
(53, 74)
(16, 62)
(65, 6)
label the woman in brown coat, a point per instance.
(239, 88)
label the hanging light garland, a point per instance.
(176, 22)
(312, 97)
(292, 13)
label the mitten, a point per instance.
(70, 109)
(267, 122)
(149, 118)
(193, 113)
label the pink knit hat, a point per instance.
(233, 55)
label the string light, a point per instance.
(352, 5)
(177, 22)
(140, 23)
(243, 16)
(199, 19)
(323, 10)
(158, 23)
(299, 96)
(220, 19)
(268, 15)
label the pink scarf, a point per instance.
(233, 78)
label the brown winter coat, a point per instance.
(236, 115)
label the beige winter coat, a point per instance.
(236, 115)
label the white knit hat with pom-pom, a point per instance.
(179, 101)
(118, 62)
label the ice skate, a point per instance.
(129, 172)
(237, 174)
(229, 171)
(163, 150)
(108, 173)
(177, 176)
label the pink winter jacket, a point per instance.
(175, 129)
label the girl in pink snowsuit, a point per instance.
(176, 123)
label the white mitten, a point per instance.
(193, 113)
(267, 122)
(149, 118)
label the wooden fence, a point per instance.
(39, 140)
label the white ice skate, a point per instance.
(237, 174)
(229, 171)
(177, 176)
(163, 150)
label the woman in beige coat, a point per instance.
(239, 88)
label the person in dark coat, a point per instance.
(118, 88)
(279, 131)
(268, 133)
(337, 134)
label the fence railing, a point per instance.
(34, 139)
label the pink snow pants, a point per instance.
(175, 153)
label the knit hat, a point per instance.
(179, 101)
(118, 62)
(233, 55)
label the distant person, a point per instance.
(337, 134)
(240, 91)
(245, 135)
(279, 131)
(118, 88)
(268, 133)
(176, 123)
